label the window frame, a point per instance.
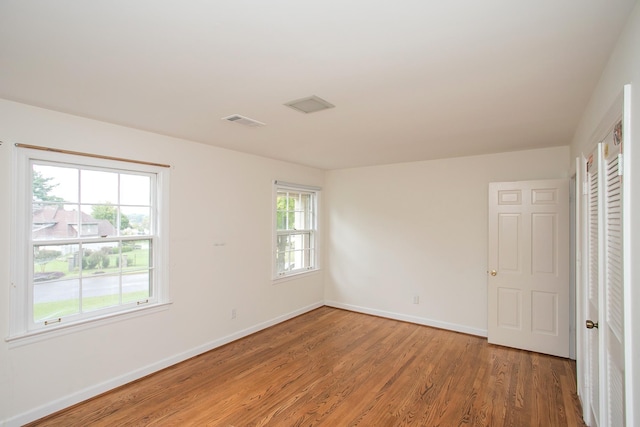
(22, 324)
(315, 193)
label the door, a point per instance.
(605, 278)
(528, 282)
(612, 279)
(592, 186)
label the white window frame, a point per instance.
(22, 325)
(315, 239)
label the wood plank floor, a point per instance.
(332, 367)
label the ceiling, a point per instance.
(410, 79)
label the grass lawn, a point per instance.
(138, 258)
(53, 309)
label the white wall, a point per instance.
(217, 196)
(623, 68)
(420, 229)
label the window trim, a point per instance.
(20, 326)
(316, 191)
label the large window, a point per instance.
(89, 239)
(295, 229)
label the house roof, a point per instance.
(54, 222)
(410, 80)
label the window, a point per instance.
(295, 229)
(88, 239)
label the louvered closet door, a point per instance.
(613, 333)
(593, 292)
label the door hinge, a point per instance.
(620, 164)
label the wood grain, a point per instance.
(332, 367)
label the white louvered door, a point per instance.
(605, 298)
(593, 281)
(611, 249)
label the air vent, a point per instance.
(310, 104)
(237, 118)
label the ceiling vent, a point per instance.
(310, 104)
(237, 118)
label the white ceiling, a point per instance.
(410, 79)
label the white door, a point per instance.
(605, 303)
(528, 284)
(612, 280)
(592, 251)
(606, 361)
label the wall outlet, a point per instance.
(233, 313)
(416, 299)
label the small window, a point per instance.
(88, 239)
(295, 229)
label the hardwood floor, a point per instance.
(332, 367)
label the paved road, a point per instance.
(91, 286)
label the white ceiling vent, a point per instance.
(310, 104)
(237, 118)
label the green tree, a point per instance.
(110, 213)
(42, 187)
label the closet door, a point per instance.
(605, 284)
(613, 283)
(593, 282)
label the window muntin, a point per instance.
(88, 231)
(296, 226)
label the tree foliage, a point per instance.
(110, 213)
(42, 188)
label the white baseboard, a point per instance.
(89, 392)
(408, 318)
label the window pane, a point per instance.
(136, 255)
(55, 282)
(53, 262)
(281, 220)
(54, 184)
(99, 221)
(302, 212)
(281, 248)
(284, 218)
(294, 211)
(135, 190)
(293, 252)
(136, 287)
(100, 292)
(98, 187)
(99, 258)
(54, 221)
(135, 221)
(55, 299)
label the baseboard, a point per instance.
(408, 318)
(93, 391)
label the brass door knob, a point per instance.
(591, 324)
(493, 273)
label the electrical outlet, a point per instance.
(233, 313)
(416, 299)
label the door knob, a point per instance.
(493, 272)
(591, 324)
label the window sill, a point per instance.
(295, 276)
(31, 337)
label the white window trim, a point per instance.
(277, 185)
(19, 324)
